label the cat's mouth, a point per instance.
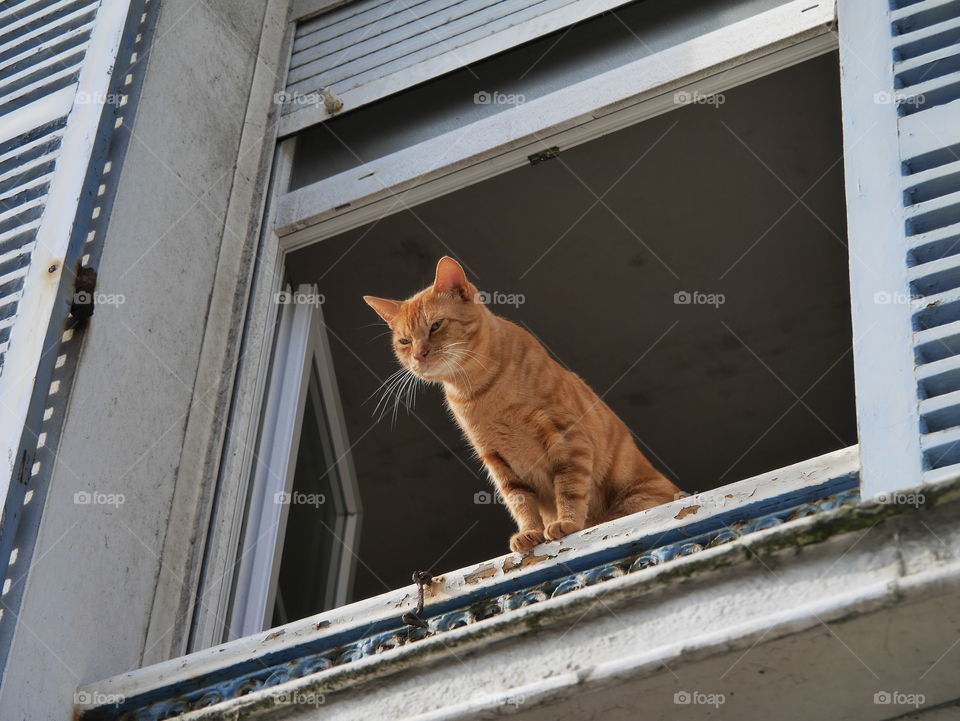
(434, 369)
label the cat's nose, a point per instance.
(421, 355)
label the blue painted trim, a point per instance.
(511, 593)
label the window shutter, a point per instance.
(56, 61)
(369, 49)
(901, 107)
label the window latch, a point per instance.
(412, 618)
(544, 155)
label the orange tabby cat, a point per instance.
(561, 459)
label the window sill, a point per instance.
(720, 551)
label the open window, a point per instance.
(692, 266)
(304, 508)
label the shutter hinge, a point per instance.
(24, 462)
(544, 155)
(81, 305)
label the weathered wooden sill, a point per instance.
(697, 538)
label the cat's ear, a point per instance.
(450, 277)
(386, 309)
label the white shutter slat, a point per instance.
(375, 23)
(927, 138)
(403, 52)
(347, 17)
(50, 52)
(77, 34)
(901, 99)
(53, 27)
(367, 50)
(56, 79)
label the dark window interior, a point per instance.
(742, 199)
(316, 518)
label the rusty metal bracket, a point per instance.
(412, 618)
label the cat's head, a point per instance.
(434, 330)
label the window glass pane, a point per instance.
(309, 566)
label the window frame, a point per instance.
(301, 347)
(719, 60)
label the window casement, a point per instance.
(900, 153)
(304, 505)
(305, 212)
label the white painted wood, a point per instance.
(575, 114)
(365, 30)
(38, 113)
(273, 474)
(451, 585)
(364, 55)
(899, 176)
(13, 59)
(89, 9)
(46, 267)
(301, 346)
(887, 402)
(335, 421)
(427, 65)
(240, 457)
(305, 9)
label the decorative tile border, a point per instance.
(203, 693)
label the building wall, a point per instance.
(143, 374)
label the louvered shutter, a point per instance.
(56, 61)
(900, 64)
(369, 49)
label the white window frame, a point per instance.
(716, 61)
(300, 347)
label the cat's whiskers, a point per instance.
(390, 378)
(385, 390)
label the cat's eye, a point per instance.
(405, 341)
(436, 324)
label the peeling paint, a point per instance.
(687, 511)
(484, 570)
(512, 564)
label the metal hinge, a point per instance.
(544, 155)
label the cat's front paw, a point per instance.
(523, 541)
(561, 528)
